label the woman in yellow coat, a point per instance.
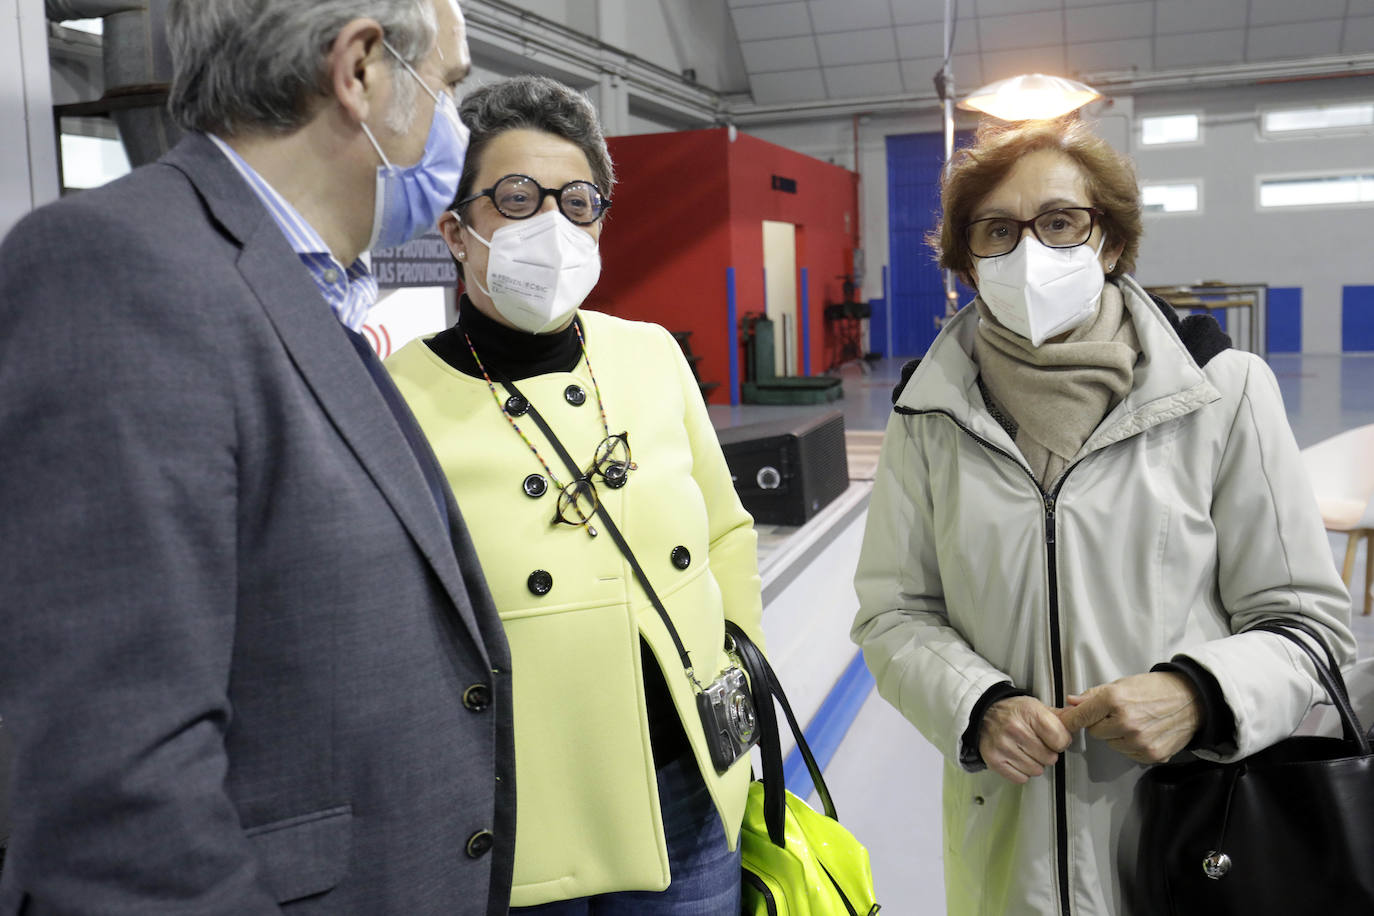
(621, 808)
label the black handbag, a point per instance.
(1289, 829)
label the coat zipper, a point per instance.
(1061, 786)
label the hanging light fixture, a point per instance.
(1029, 97)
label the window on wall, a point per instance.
(1172, 197)
(89, 162)
(1317, 190)
(1160, 129)
(1318, 119)
(94, 26)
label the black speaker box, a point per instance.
(786, 471)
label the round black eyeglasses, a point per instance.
(1065, 227)
(520, 197)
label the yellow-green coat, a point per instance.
(588, 819)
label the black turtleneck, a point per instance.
(517, 355)
(506, 352)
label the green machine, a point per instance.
(763, 385)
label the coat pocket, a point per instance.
(304, 855)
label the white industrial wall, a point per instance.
(1318, 250)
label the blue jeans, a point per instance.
(704, 873)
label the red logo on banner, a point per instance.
(380, 338)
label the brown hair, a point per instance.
(978, 169)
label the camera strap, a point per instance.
(613, 530)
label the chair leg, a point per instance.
(1352, 544)
(1368, 571)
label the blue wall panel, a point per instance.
(1357, 318)
(1285, 319)
(916, 296)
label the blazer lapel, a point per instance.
(328, 363)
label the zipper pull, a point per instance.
(1049, 522)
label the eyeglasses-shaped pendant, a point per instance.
(613, 461)
(577, 505)
(578, 501)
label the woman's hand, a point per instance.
(1019, 737)
(1147, 717)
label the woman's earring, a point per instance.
(462, 255)
(1111, 267)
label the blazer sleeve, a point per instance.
(922, 664)
(1273, 560)
(734, 542)
(117, 596)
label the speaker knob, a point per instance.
(768, 478)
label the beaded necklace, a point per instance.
(491, 386)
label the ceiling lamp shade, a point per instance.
(1031, 96)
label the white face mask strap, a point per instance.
(428, 91)
(373, 140)
(467, 268)
(411, 70)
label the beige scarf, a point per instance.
(1059, 392)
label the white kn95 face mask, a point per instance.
(1039, 292)
(539, 270)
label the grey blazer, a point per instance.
(243, 666)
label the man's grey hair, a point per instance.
(533, 103)
(259, 65)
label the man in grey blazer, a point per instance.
(247, 659)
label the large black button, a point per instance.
(477, 697)
(615, 474)
(681, 557)
(575, 395)
(535, 486)
(516, 405)
(480, 843)
(540, 582)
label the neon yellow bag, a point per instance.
(797, 861)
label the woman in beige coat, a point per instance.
(621, 808)
(1081, 504)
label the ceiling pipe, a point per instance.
(1122, 82)
(62, 10)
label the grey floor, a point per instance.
(885, 778)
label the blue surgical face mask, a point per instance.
(410, 198)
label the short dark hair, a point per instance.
(534, 103)
(979, 168)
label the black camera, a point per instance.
(727, 714)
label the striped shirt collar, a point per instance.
(350, 293)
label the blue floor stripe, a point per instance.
(829, 725)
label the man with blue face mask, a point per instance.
(250, 664)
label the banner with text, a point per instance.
(426, 261)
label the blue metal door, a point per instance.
(916, 299)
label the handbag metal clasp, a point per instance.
(1216, 865)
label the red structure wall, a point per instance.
(689, 205)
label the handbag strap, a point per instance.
(766, 688)
(614, 532)
(1328, 672)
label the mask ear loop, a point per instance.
(473, 232)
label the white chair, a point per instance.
(1342, 473)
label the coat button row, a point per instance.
(540, 582)
(480, 843)
(477, 697)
